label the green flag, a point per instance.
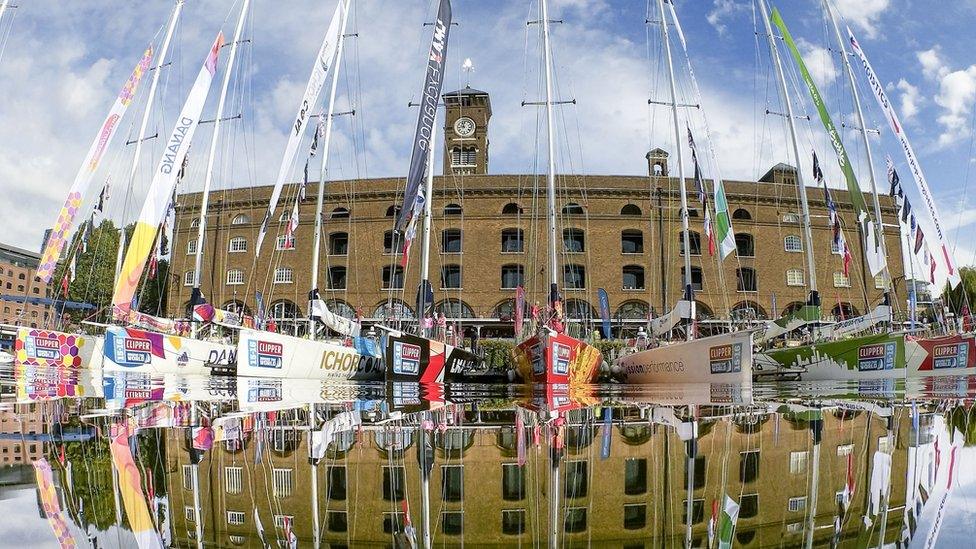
(726, 524)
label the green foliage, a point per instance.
(497, 353)
(963, 293)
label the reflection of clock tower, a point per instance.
(466, 131)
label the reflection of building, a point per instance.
(18, 430)
(479, 494)
(620, 233)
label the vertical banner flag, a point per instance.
(604, 311)
(702, 197)
(519, 309)
(833, 218)
(872, 242)
(430, 97)
(606, 433)
(50, 504)
(164, 180)
(948, 273)
(726, 524)
(130, 488)
(320, 72)
(59, 233)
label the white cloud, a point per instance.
(933, 65)
(911, 99)
(863, 14)
(723, 9)
(957, 90)
(819, 61)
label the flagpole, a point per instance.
(814, 298)
(320, 194)
(878, 226)
(196, 296)
(425, 243)
(689, 295)
(551, 171)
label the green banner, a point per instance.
(857, 198)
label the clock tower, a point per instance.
(466, 132)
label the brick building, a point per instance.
(621, 233)
(17, 280)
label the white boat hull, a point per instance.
(135, 350)
(272, 355)
(53, 349)
(725, 358)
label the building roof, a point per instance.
(780, 167)
(467, 90)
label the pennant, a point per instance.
(919, 238)
(893, 178)
(906, 210)
(702, 196)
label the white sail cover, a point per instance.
(164, 179)
(320, 72)
(335, 322)
(881, 313)
(946, 267)
(665, 323)
(76, 195)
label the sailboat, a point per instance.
(149, 350)
(834, 354)
(267, 354)
(552, 356)
(422, 357)
(723, 358)
(52, 348)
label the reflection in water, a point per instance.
(118, 459)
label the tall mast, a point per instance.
(689, 292)
(3, 8)
(878, 226)
(551, 174)
(425, 243)
(801, 189)
(177, 10)
(208, 179)
(320, 195)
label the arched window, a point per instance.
(284, 275)
(195, 223)
(463, 157)
(511, 209)
(188, 278)
(579, 309)
(454, 308)
(790, 217)
(392, 243)
(394, 309)
(574, 277)
(844, 310)
(284, 310)
(236, 306)
(748, 310)
(337, 278)
(240, 219)
(237, 244)
(745, 279)
(692, 212)
(630, 209)
(341, 308)
(451, 241)
(633, 277)
(451, 277)
(793, 308)
(745, 245)
(512, 241)
(795, 277)
(702, 311)
(792, 243)
(505, 310)
(453, 209)
(741, 213)
(339, 244)
(633, 310)
(631, 241)
(697, 279)
(694, 240)
(393, 211)
(513, 276)
(572, 208)
(392, 277)
(235, 277)
(340, 213)
(573, 241)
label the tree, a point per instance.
(964, 293)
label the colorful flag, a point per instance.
(839, 242)
(702, 196)
(726, 525)
(50, 506)
(291, 227)
(430, 98)
(893, 178)
(919, 238)
(130, 488)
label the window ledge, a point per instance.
(443, 289)
(632, 253)
(452, 253)
(511, 253)
(747, 291)
(237, 251)
(338, 255)
(634, 289)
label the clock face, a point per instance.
(464, 126)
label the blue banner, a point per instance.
(607, 432)
(604, 311)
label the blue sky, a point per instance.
(63, 63)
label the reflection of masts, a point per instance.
(320, 196)
(555, 462)
(801, 189)
(160, 63)
(887, 488)
(816, 430)
(691, 450)
(195, 479)
(196, 296)
(313, 465)
(425, 460)
(686, 239)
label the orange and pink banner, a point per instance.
(50, 504)
(130, 488)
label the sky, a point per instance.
(62, 64)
